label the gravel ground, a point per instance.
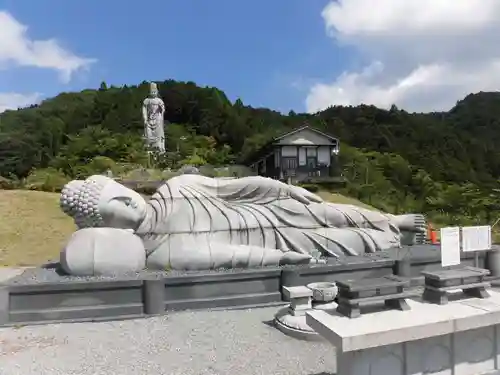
(236, 342)
(52, 275)
(7, 273)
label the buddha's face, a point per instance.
(153, 93)
(121, 207)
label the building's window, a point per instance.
(289, 163)
(302, 156)
(312, 152)
(324, 156)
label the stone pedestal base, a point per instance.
(472, 352)
(291, 320)
(459, 338)
(296, 326)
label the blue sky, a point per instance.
(266, 52)
(305, 55)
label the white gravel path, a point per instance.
(7, 273)
(236, 342)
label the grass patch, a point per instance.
(32, 227)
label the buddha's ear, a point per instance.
(109, 208)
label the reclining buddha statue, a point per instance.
(194, 222)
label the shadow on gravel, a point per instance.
(55, 266)
(270, 323)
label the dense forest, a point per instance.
(445, 164)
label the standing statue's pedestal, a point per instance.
(291, 320)
(459, 338)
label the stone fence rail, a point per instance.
(94, 300)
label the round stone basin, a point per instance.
(323, 291)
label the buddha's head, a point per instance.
(100, 201)
(153, 90)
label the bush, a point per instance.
(208, 171)
(48, 179)
(101, 164)
(146, 189)
(195, 160)
(143, 175)
(98, 165)
(236, 171)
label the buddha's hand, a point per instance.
(270, 188)
(257, 189)
(282, 190)
(302, 195)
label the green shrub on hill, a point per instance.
(48, 179)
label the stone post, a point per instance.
(300, 299)
(402, 267)
(4, 305)
(154, 296)
(289, 278)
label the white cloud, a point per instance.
(12, 100)
(18, 49)
(421, 55)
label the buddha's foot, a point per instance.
(411, 222)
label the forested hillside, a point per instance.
(444, 164)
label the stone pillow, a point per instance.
(103, 251)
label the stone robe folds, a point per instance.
(195, 222)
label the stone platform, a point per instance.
(459, 338)
(389, 290)
(469, 279)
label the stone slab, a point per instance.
(459, 287)
(372, 283)
(423, 320)
(297, 292)
(459, 273)
(469, 352)
(382, 298)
